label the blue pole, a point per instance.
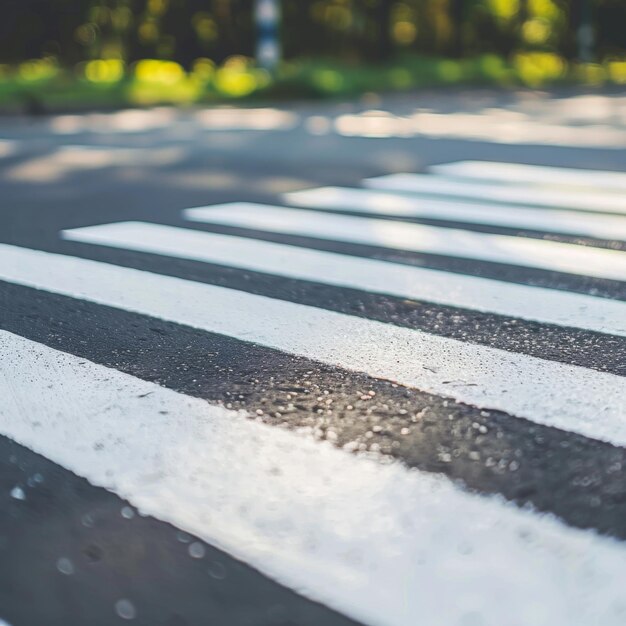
(267, 13)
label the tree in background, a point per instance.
(72, 31)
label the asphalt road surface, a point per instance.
(315, 365)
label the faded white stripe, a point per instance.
(526, 252)
(532, 303)
(510, 216)
(533, 174)
(565, 396)
(384, 545)
(518, 194)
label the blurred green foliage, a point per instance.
(146, 51)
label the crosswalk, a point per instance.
(533, 175)
(404, 422)
(379, 203)
(541, 254)
(576, 199)
(542, 305)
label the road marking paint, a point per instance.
(510, 216)
(515, 194)
(555, 394)
(532, 303)
(533, 174)
(294, 508)
(522, 251)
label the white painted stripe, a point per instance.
(507, 215)
(380, 543)
(517, 194)
(565, 396)
(526, 252)
(543, 305)
(533, 174)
